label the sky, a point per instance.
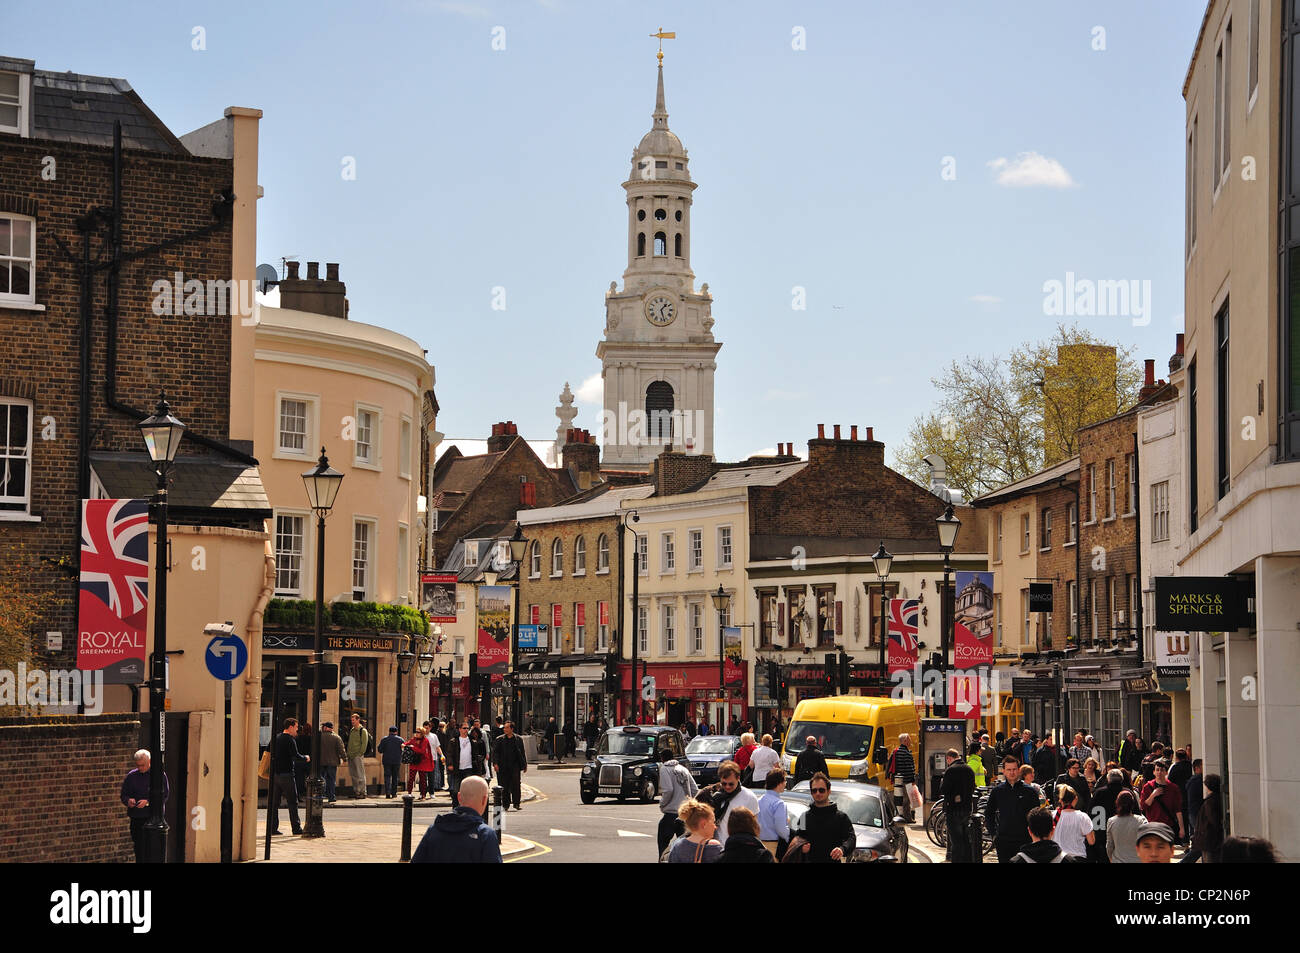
(916, 175)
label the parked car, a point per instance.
(626, 762)
(705, 752)
(882, 835)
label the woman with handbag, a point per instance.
(419, 755)
(698, 846)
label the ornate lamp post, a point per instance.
(322, 482)
(518, 551)
(636, 600)
(948, 526)
(162, 437)
(720, 602)
(883, 559)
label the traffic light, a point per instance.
(845, 659)
(611, 673)
(831, 671)
(774, 679)
(444, 683)
(473, 673)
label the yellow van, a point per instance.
(855, 733)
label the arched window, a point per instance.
(661, 243)
(677, 244)
(535, 560)
(602, 553)
(659, 410)
(580, 554)
(557, 558)
(640, 245)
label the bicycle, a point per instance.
(936, 823)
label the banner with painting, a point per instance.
(113, 602)
(973, 623)
(494, 629)
(733, 668)
(902, 651)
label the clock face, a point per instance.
(660, 311)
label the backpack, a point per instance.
(1026, 859)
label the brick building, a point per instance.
(129, 266)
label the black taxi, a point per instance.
(626, 763)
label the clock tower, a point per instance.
(657, 355)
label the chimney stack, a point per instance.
(837, 431)
(503, 434)
(853, 432)
(1150, 372)
(581, 457)
(821, 431)
(676, 472)
(313, 294)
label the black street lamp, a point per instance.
(883, 559)
(518, 551)
(948, 525)
(636, 601)
(322, 482)
(720, 602)
(162, 437)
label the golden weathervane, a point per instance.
(661, 36)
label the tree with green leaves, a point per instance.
(1000, 419)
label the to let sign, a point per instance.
(1201, 603)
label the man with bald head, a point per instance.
(463, 836)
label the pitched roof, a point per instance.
(198, 483)
(1035, 481)
(757, 475)
(464, 474)
(76, 107)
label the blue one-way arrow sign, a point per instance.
(226, 657)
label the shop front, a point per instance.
(691, 692)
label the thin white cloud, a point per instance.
(1030, 169)
(778, 394)
(985, 299)
(591, 391)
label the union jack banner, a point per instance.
(114, 593)
(903, 627)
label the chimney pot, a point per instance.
(1150, 372)
(837, 431)
(332, 271)
(1178, 349)
(853, 432)
(313, 269)
(821, 431)
(870, 435)
(292, 268)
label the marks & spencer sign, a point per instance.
(1202, 604)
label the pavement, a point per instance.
(371, 843)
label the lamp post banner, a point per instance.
(904, 619)
(494, 629)
(732, 668)
(113, 599)
(973, 623)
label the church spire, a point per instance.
(661, 111)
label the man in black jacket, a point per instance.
(810, 761)
(1008, 808)
(827, 831)
(1047, 765)
(465, 757)
(284, 755)
(958, 791)
(510, 762)
(1074, 779)
(1043, 850)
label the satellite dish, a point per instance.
(266, 277)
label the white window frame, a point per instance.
(579, 631)
(1028, 616)
(1072, 523)
(726, 554)
(405, 443)
(997, 552)
(8, 298)
(24, 514)
(696, 616)
(1092, 494)
(602, 629)
(309, 451)
(373, 462)
(1092, 607)
(642, 629)
(667, 555)
(557, 558)
(641, 553)
(1111, 488)
(1046, 530)
(580, 556)
(1111, 594)
(1130, 461)
(1160, 511)
(1222, 108)
(24, 104)
(372, 546)
(668, 630)
(695, 547)
(1072, 593)
(1193, 155)
(305, 516)
(997, 612)
(470, 553)
(403, 594)
(602, 554)
(1026, 533)
(535, 560)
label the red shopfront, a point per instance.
(690, 691)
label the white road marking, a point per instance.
(559, 833)
(632, 834)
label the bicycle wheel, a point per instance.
(936, 827)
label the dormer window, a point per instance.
(15, 100)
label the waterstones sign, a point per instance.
(1202, 604)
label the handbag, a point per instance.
(410, 755)
(264, 766)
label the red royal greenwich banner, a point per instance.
(113, 605)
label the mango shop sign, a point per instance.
(1202, 604)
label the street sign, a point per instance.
(1034, 687)
(226, 656)
(648, 688)
(1040, 597)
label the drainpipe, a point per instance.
(253, 705)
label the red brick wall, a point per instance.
(60, 784)
(1114, 539)
(1057, 564)
(163, 196)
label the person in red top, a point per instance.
(420, 745)
(1161, 800)
(746, 749)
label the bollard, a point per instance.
(976, 834)
(408, 801)
(497, 820)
